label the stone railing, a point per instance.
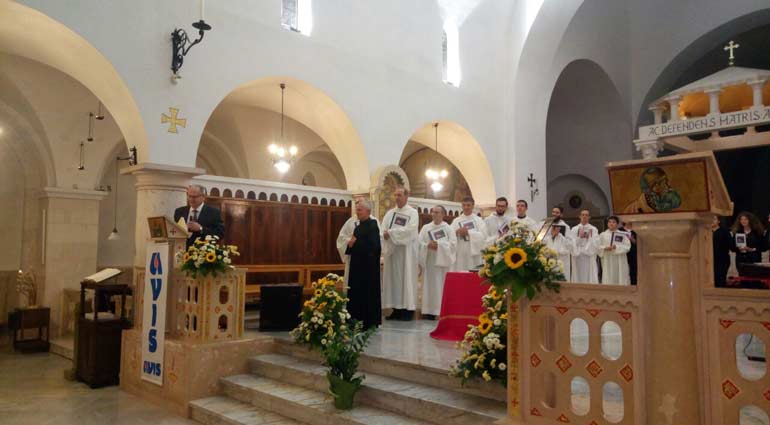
(227, 187)
(579, 354)
(424, 205)
(735, 330)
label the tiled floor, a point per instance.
(408, 342)
(33, 391)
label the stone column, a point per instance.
(674, 107)
(669, 273)
(649, 148)
(70, 241)
(657, 110)
(713, 100)
(160, 189)
(756, 89)
(714, 106)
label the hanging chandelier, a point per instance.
(281, 156)
(436, 176)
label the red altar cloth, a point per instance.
(460, 305)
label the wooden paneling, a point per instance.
(274, 233)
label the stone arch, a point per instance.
(31, 34)
(458, 145)
(565, 188)
(586, 126)
(315, 110)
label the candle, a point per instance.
(203, 3)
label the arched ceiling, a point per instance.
(315, 110)
(463, 150)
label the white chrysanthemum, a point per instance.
(501, 366)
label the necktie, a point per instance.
(194, 215)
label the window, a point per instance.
(450, 46)
(297, 15)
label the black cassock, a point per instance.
(364, 274)
(722, 240)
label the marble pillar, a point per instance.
(160, 189)
(70, 236)
(671, 266)
(674, 105)
(657, 111)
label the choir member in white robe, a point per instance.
(400, 251)
(499, 222)
(563, 246)
(556, 214)
(471, 235)
(438, 246)
(613, 247)
(522, 217)
(585, 238)
(346, 233)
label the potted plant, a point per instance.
(341, 355)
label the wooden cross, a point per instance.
(173, 120)
(731, 46)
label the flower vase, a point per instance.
(343, 391)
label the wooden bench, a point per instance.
(301, 273)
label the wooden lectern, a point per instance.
(671, 201)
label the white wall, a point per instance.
(12, 212)
(587, 125)
(119, 252)
(380, 61)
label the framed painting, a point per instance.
(676, 186)
(157, 227)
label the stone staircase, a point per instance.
(289, 386)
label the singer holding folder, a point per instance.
(201, 220)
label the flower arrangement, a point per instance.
(207, 256)
(26, 284)
(483, 349)
(323, 315)
(520, 264)
(325, 325)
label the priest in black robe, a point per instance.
(722, 241)
(364, 274)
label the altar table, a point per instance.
(460, 305)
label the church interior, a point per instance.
(644, 120)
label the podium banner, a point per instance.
(156, 280)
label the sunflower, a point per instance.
(515, 258)
(484, 317)
(186, 257)
(318, 292)
(484, 327)
(211, 257)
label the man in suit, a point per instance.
(202, 220)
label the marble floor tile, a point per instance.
(33, 391)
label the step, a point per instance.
(404, 371)
(223, 410)
(429, 403)
(306, 405)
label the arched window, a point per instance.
(297, 16)
(450, 48)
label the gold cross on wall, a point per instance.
(731, 46)
(173, 120)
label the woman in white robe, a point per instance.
(613, 247)
(563, 247)
(438, 245)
